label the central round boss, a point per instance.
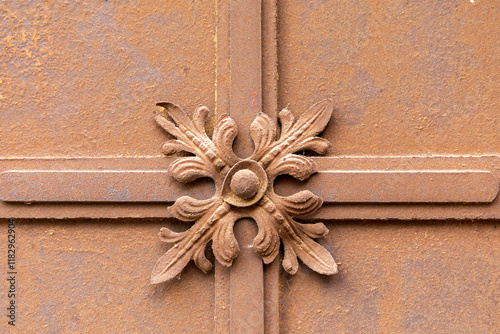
(245, 184)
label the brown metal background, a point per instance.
(80, 79)
(406, 77)
(93, 276)
(400, 277)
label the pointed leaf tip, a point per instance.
(318, 115)
(286, 119)
(166, 105)
(290, 263)
(169, 265)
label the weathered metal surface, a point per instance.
(400, 277)
(416, 210)
(246, 279)
(93, 276)
(239, 93)
(95, 186)
(407, 78)
(157, 186)
(481, 186)
(80, 79)
(401, 186)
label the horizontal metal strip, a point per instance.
(97, 186)
(333, 186)
(332, 209)
(398, 186)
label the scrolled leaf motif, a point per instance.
(224, 134)
(225, 245)
(189, 169)
(310, 252)
(299, 204)
(311, 123)
(214, 218)
(263, 134)
(175, 146)
(298, 166)
(266, 243)
(190, 209)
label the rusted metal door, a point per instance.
(404, 112)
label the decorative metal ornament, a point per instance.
(244, 188)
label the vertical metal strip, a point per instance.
(239, 295)
(222, 86)
(269, 58)
(245, 49)
(271, 296)
(270, 107)
(245, 102)
(246, 283)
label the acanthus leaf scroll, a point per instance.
(244, 188)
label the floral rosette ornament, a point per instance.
(244, 189)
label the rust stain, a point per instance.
(255, 97)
